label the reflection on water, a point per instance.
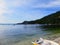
(52, 28)
(25, 34)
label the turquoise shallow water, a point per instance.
(25, 34)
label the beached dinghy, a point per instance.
(42, 41)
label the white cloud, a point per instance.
(2, 7)
(4, 10)
(20, 3)
(54, 3)
(6, 4)
(34, 3)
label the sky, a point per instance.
(15, 11)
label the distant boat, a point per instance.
(42, 41)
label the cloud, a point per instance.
(18, 3)
(34, 3)
(10, 6)
(2, 7)
(55, 3)
(4, 10)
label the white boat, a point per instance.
(42, 41)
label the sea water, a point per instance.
(25, 34)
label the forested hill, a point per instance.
(50, 19)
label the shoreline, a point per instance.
(55, 38)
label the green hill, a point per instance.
(50, 19)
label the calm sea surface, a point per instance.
(25, 34)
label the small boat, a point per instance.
(42, 41)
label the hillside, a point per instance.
(50, 19)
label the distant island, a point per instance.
(52, 19)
